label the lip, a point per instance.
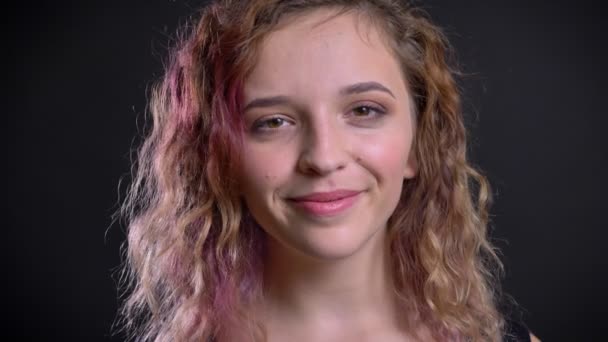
(326, 203)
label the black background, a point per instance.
(77, 79)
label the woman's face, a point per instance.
(328, 132)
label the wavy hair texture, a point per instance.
(193, 256)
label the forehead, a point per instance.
(321, 49)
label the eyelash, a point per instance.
(262, 125)
(378, 110)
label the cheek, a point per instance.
(262, 169)
(386, 156)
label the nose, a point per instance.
(323, 149)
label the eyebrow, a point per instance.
(365, 87)
(357, 88)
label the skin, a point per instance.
(327, 278)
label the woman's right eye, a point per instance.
(269, 124)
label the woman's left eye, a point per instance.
(365, 111)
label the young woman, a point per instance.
(306, 179)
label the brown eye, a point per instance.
(362, 111)
(274, 122)
(268, 124)
(367, 111)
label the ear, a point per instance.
(411, 166)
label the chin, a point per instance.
(335, 243)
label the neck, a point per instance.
(352, 290)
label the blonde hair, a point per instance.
(193, 256)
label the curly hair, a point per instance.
(193, 256)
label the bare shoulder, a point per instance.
(534, 338)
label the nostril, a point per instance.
(321, 163)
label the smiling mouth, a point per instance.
(323, 204)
